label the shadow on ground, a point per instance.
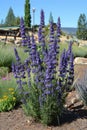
(68, 116)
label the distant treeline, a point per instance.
(10, 20)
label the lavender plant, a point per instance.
(50, 91)
(22, 29)
(58, 30)
(63, 71)
(19, 73)
(70, 67)
(71, 70)
(51, 37)
(43, 95)
(42, 17)
(58, 27)
(41, 38)
(66, 68)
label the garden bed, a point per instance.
(75, 118)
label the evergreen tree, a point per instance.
(1, 23)
(82, 27)
(51, 18)
(17, 21)
(27, 17)
(10, 18)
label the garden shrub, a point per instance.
(9, 97)
(4, 71)
(42, 83)
(8, 100)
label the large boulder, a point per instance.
(80, 60)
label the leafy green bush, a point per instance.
(4, 71)
(79, 51)
(8, 100)
(8, 94)
(6, 83)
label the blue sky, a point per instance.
(68, 10)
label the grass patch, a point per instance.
(77, 51)
(4, 71)
(7, 55)
(5, 84)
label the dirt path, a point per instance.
(16, 120)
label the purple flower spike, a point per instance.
(16, 54)
(23, 35)
(58, 28)
(51, 33)
(42, 23)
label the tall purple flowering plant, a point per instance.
(19, 73)
(58, 27)
(51, 37)
(66, 68)
(44, 92)
(42, 18)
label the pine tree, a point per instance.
(27, 17)
(51, 18)
(82, 27)
(10, 18)
(17, 21)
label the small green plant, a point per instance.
(8, 100)
(79, 51)
(7, 55)
(4, 71)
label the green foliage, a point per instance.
(32, 104)
(79, 51)
(82, 27)
(38, 100)
(62, 46)
(17, 21)
(6, 83)
(8, 94)
(4, 71)
(10, 18)
(50, 111)
(7, 102)
(51, 18)
(7, 55)
(27, 15)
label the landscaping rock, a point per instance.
(18, 42)
(80, 60)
